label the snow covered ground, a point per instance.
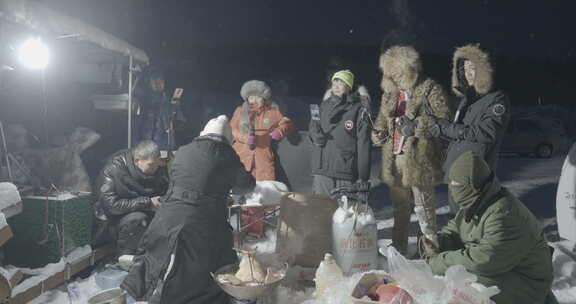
(532, 180)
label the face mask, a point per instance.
(464, 195)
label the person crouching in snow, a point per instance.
(255, 124)
(190, 236)
(411, 156)
(340, 137)
(493, 235)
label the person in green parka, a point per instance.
(494, 236)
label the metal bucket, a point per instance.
(246, 294)
(109, 296)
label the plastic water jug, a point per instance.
(328, 272)
(354, 237)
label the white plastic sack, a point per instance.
(457, 287)
(461, 287)
(266, 193)
(416, 278)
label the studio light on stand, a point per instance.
(34, 54)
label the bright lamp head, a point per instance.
(34, 54)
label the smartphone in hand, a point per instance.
(315, 111)
(177, 95)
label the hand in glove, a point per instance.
(378, 137)
(251, 142)
(316, 134)
(276, 135)
(436, 126)
(406, 126)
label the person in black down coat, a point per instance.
(128, 190)
(190, 235)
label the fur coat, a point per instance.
(401, 67)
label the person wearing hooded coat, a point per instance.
(411, 156)
(494, 236)
(483, 114)
(190, 236)
(340, 137)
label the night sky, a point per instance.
(211, 47)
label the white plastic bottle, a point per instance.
(328, 272)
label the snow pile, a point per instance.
(78, 254)
(38, 275)
(9, 195)
(3, 222)
(266, 193)
(564, 285)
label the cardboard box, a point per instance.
(366, 282)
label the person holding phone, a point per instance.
(411, 155)
(340, 135)
(157, 112)
(256, 124)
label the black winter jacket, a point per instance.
(192, 226)
(341, 139)
(481, 130)
(122, 188)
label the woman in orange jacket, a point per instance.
(255, 124)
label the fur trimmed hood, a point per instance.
(256, 88)
(401, 67)
(484, 70)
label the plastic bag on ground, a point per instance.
(415, 277)
(457, 287)
(461, 287)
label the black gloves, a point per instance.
(437, 125)
(406, 126)
(316, 134)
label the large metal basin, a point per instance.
(248, 292)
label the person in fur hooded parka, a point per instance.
(411, 156)
(483, 114)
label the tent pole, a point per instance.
(130, 69)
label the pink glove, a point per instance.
(276, 135)
(251, 141)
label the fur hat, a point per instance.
(219, 126)
(400, 66)
(255, 88)
(483, 80)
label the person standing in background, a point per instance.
(340, 135)
(255, 125)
